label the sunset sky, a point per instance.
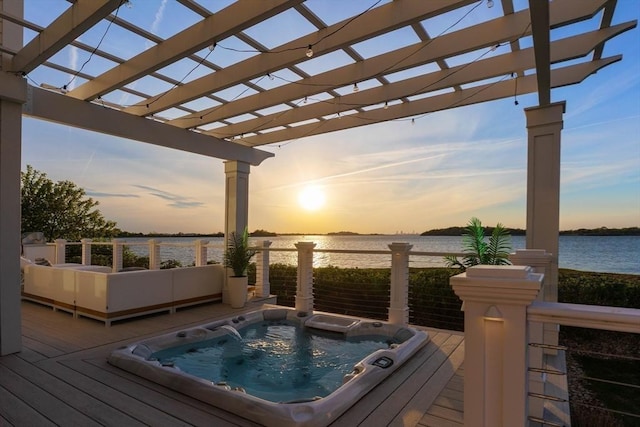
(384, 178)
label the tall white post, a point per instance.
(399, 308)
(61, 251)
(495, 330)
(263, 287)
(201, 252)
(117, 255)
(154, 254)
(13, 93)
(304, 289)
(544, 127)
(86, 251)
(236, 216)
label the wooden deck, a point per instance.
(61, 377)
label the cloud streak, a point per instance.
(177, 201)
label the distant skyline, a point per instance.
(385, 178)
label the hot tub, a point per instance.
(276, 366)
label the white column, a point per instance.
(201, 252)
(117, 255)
(86, 251)
(263, 287)
(61, 251)
(12, 96)
(544, 127)
(154, 254)
(236, 216)
(304, 289)
(399, 308)
(496, 363)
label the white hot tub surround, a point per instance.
(366, 374)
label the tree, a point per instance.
(61, 210)
(478, 251)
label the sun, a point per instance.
(311, 198)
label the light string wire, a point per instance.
(353, 18)
(261, 51)
(423, 46)
(95, 48)
(91, 54)
(416, 92)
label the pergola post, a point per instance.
(236, 214)
(13, 93)
(10, 317)
(544, 126)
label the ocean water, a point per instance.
(610, 254)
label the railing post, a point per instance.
(61, 248)
(542, 333)
(399, 308)
(86, 251)
(201, 252)
(154, 254)
(117, 255)
(304, 290)
(263, 287)
(496, 358)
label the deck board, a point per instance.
(62, 378)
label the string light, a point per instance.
(355, 87)
(413, 121)
(309, 52)
(386, 105)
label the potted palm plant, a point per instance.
(478, 251)
(237, 257)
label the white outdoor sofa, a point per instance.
(96, 292)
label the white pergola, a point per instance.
(278, 97)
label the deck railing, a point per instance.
(511, 321)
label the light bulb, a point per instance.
(413, 121)
(489, 4)
(386, 105)
(355, 87)
(305, 100)
(309, 52)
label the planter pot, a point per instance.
(238, 291)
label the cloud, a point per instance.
(176, 200)
(92, 193)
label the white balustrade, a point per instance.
(304, 289)
(86, 251)
(263, 287)
(154, 254)
(399, 307)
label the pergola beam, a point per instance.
(489, 92)
(540, 31)
(58, 108)
(223, 24)
(503, 29)
(561, 50)
(394, 15)
(80, 16)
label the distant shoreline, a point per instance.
(450, 231)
